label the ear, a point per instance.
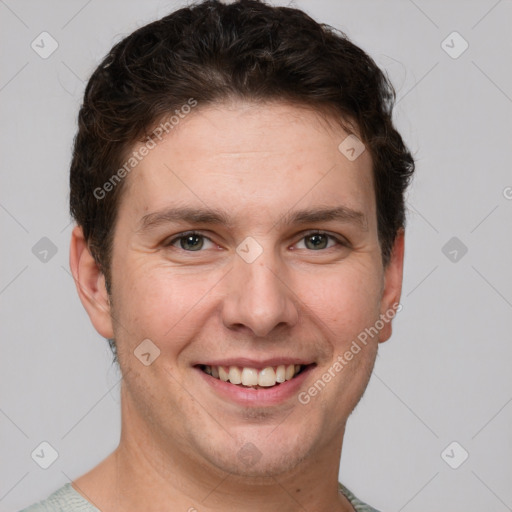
(393, 274)
(90, 284)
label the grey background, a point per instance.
(445, 374)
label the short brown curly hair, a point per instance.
(211, 51)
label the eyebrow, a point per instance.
(210, 216)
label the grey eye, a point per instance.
(191, 242)
(316, 241)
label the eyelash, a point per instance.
(339, 241)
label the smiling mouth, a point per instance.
(251, 377)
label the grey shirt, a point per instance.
(66, 499)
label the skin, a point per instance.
(180, 439)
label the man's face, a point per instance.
(261, 291)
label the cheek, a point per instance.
(346, 300)
(160, 304)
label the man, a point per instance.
(238, 186)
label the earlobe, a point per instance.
(90, 284)
(393, 275)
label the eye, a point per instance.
(190, 241)
(319, 240)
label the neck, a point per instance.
(149, 473)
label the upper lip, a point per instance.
(245, 362)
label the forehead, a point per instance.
(249, 157)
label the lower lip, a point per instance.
(262, 397)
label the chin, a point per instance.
(262, 457)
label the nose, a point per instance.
(258, 297)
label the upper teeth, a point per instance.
(251, 376)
